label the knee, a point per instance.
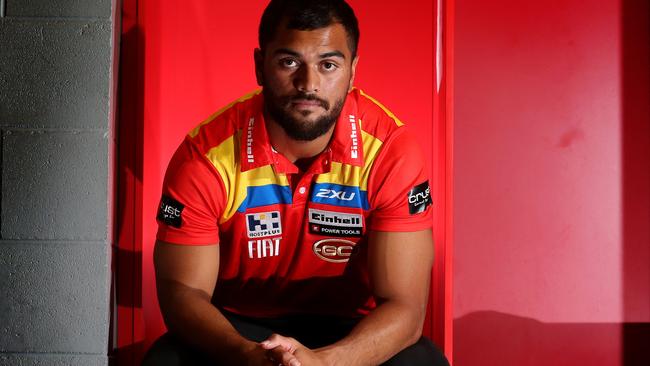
(168, 351)
(164, 352)
(422, 353)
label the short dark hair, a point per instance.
(308, 15)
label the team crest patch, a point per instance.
(263, 224)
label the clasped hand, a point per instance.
(287, 351)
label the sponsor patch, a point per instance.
(419, 198)
(170, 212)
(334, 250)
(249, 141)
(339, 195)
(354, 150)
(263, 224)
(335, 223)
(263, 248)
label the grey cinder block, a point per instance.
(55, 297)
(54, 73)
(54, 185)
(51, 360)
(59, 8)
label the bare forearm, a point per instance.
(189, 314)
(388, 329)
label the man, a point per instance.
(294, 227)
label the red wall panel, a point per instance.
(551, 261)
(182, 62)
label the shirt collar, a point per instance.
(345, 147)
(254, 140)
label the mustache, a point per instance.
(310, 97)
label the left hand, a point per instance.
(288, 351)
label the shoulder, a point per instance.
(376, 119)
(223, 125)
(213, 145)
(385, 137)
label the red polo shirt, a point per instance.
(285, 251)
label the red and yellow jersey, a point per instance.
(294, 243)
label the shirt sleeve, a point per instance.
(192, 200)
(399, 186)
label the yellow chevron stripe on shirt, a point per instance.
(195, 130)
(350, 175)
(225, 159)
(386, 110)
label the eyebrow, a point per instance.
(287, 51)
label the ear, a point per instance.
(259, 66)
(353, 71)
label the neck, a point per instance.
(294, 149)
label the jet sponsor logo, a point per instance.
(334, 250)
(263, 224)
(419, 198)
(263, 248)
(335, 223)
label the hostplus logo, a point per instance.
(263, 224)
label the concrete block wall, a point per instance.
(56, 64)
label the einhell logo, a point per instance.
(249, 141)
(334, 250)
(354, 151)
(328, 223)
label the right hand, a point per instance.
(259, 356)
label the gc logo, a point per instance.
(334, 250)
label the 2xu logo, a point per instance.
(330, 193)
(334, 250)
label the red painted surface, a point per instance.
(181, 63)
(552, 183)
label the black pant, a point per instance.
(311, 331)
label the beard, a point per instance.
(301, 129)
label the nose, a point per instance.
(307, 79)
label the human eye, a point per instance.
(329, 66)
(288, 63)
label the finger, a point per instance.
(278, 354)
(276, 340)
